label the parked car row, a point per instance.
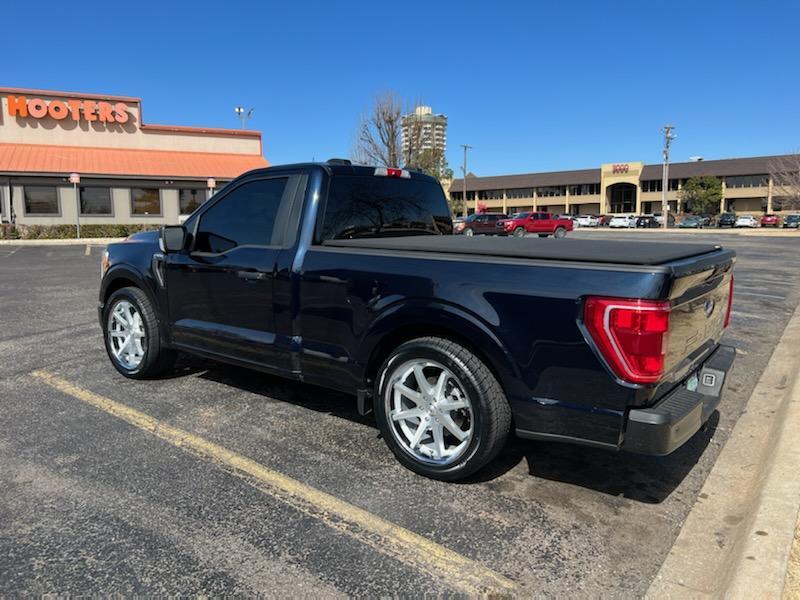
(518, 224)
(768, 220)
(498, 223)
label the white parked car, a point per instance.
(624, 221)
(746, 221)
(587, 221)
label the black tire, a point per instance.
(559, 233)
(490, 411)
(156, 359)
(469, 232)
(519, 232)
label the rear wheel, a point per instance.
(559, 233)
(132, 337)
(519, 232)
(440, 409)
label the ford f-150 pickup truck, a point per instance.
(349, 277)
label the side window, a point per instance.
(245, 217)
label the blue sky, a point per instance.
(533, 86)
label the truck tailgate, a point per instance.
(700, 293)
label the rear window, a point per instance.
(369, 206)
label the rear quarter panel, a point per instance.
(521, 316)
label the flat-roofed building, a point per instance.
(623, 188)
(130, 172)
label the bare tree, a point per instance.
(785, 173)
(380, 133)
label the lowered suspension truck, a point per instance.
(348, 277)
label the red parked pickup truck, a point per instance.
(536, 222)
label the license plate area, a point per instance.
(706, 381)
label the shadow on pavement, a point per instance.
(647, 479)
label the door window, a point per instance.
(244, 217)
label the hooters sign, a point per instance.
(620, 168)
(74, 109)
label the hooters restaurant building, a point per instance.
(69, 156)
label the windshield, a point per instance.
(370, 206)
(522, 215)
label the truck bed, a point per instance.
(571, 250)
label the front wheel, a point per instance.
(559, 233)
(440, 409)
(519, 232)
(132, 337)
(469, 232)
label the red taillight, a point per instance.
(631, 335)
(730, 304)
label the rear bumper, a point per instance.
(663, 428)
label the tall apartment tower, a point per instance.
(429, 131)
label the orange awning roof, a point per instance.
(40, 158)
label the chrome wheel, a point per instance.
(519, 232)
(469, 233)
(429, 413)
(126, 335)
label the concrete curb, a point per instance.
(68, 242)
(748, 491)
(763, 554)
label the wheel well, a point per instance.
(118, 284)
(406, 333)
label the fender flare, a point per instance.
(126, 272)
(441, 317)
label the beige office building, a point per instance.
(65, 156)
(623, 188)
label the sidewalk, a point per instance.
(738, 537)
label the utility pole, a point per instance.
(464, 181)
(668, 137)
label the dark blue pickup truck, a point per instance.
(348, 277)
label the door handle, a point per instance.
(251, 275)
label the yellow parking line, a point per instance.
(451, 568)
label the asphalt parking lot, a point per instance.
(93, 503)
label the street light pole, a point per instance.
(464, 181)
(244, 116)
(75, 179)
(668, 137)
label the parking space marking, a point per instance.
(420, 553)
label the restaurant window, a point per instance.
(41, 200)
(95, 200)
(145, 202)
(189, 200)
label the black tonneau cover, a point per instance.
(597, 251)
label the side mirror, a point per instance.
(173, 238)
